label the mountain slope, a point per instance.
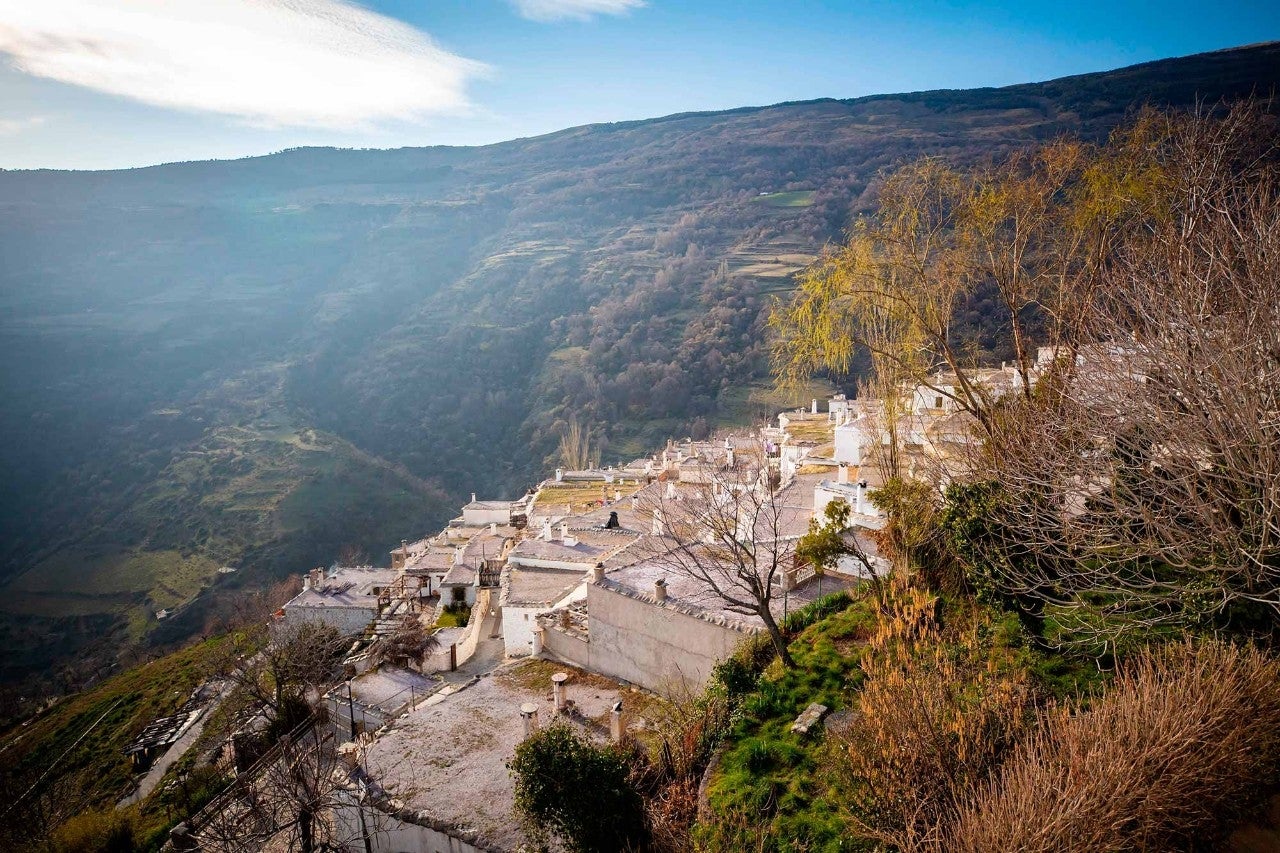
(181, 339)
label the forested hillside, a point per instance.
(260, 363)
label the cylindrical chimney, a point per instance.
(615, 723)
(597, 572)
(557, 689)
(529, 716)
(660, 589)
(843, 476)
(538, 639)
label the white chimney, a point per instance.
(617, 495)
(538, 636)
(559, 474)
(843, 475)
(615, 722)
(657, 522)
(861, 506)
(306, 582)
(546, 529)
(493, 527)
(660, 589)
(529, 716)
(814, 408)
(564, 530)
(473, 497)
(557, 689)
(634, 501)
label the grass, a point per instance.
(87, 767)
(750, 404)
(769, 781)
(794, 198)
(585, 496)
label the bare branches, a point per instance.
(1143, 482)
(735, 535)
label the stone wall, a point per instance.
(656, 646)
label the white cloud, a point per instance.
(14, 126)
(302, 63)
(579, 10)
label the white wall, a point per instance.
(659, 648)
(348, 620)
(485, 517)
(852, 444)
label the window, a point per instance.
(937, 402)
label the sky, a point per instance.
(94, 84)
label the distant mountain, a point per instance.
(259, 363)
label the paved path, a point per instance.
(489, 654)
(174, 752)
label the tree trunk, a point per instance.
(779, 641)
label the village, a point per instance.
(589, 601)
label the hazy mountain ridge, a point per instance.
(170, 331)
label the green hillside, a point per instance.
(259, 363)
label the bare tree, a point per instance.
(409, 643)
(292, 661)
(285, 801)
(1141, 486)
(734, 534)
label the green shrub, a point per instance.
(578, 791)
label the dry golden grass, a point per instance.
(1172, 752)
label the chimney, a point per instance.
(564, 530)
(317, 577)
(539, 637)
(635, 502)
(546, 529)
(660, 589)
(557, 690)
(473, 497)
(306, 581)
(612, 523)
(493, 527)
(529, 716)
(559, 475)
(615, 722)
(814, 408)
(843, 475)
(861, 506)
(657, 522)
(597, 572)
(617, 495)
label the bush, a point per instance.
(96, 832)
(1176, 749)
(938, 712)
(578, 791)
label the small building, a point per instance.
(349, 599)
(368, 702)
(483, 513)
(530, 591)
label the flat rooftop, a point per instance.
(447, 760)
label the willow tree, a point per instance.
(1029, 228)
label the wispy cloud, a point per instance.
(14, 126)
(303, 63)
(579, 10)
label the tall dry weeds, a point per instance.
(935, 717)
(1170, 754)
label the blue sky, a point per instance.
(116, 83)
